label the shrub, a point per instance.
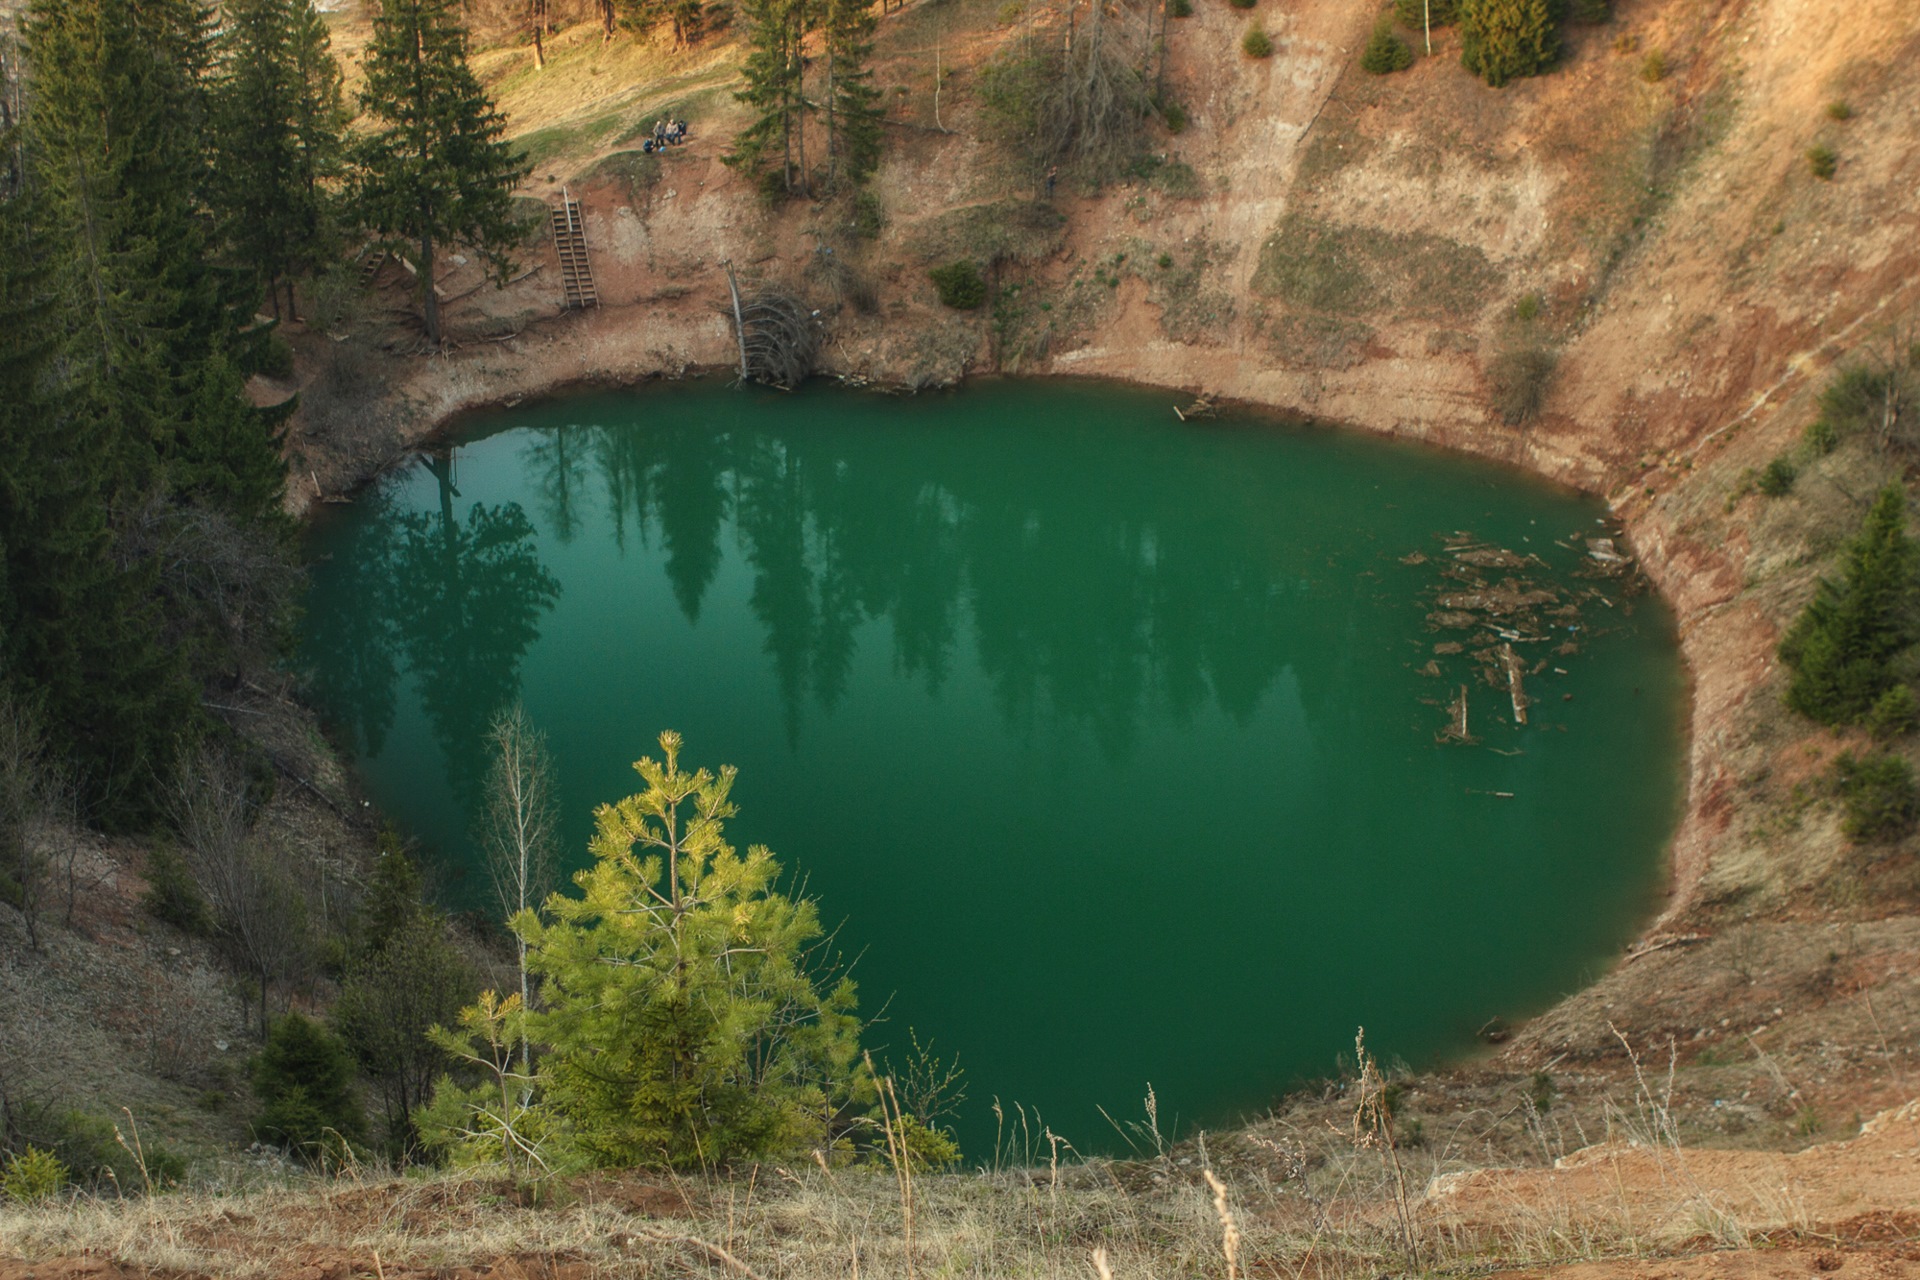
(1822, 162)
(1589, 12)
(1242, 4)
(172, 895)
(1256, 43)
(1879, 794)
(32, 1175)
(1858, 399)
(304, 1080)
(1519, 377)
(1527, 309)
(1776, 479)
(1173, 113)
(1385, 52)
(1842, 646)
(1501, 40)
(1179, 8)
(94, 1150)
(1820, 437)
(1416, 14)
(869, 218)
(1895, 715)
(959, 284)
(1653, 68)
(1839, 109)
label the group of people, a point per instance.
(666, 133)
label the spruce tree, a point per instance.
(684, 1026)
(304, 1080)
(437, 166)
(1385, 52)
(1842, 647)
(774, 71)
(1501, 40)
(279, 121)
(851, 101)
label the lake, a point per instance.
(1121, 751)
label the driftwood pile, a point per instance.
(1500, 611)
(778, 334)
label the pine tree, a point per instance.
(437, 166)
(1501, 40)
(304, 1080)
(852, 103)
(279, 121)
(1842, 647)
(1385, 51)
(684, 1027)
(774, 71)
(79, 632)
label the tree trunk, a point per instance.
(426, 281)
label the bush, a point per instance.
(1776, 480)
(1839, 109)
(1822, 162)
(959, 284)
(1385, 51)
(94, 1150)
(1858, 399)
(173, 897)
(1519, 378)
(32, 1175)
(1242, 4)
(1256, 43)
(1653, 68)
(1502, 40)
(304, 1080)
(1842, 647)
(1416, 14)
(1179, 8)
(1820, 437)
(1880, 797)
(1895, 715)
(1589, 12)
(869, 218)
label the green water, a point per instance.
(1106, 737)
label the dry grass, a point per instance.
(1294, 1197)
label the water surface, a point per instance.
(1106, 738)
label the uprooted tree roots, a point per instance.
(779, 335)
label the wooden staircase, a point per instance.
(570, 243)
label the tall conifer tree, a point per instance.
(279, 121)
(437, 166)
(852, 103)
(774, 70)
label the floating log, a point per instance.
(1456, 730)
(1515, 669)
(1200, 408)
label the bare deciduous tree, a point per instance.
(520, 828)
(259, 913)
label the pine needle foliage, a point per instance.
(279, 123)
(1385, 52)
(1842, 647)
(686, 1026)
(1502, 40)
(436, 166)
(304, 1080)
